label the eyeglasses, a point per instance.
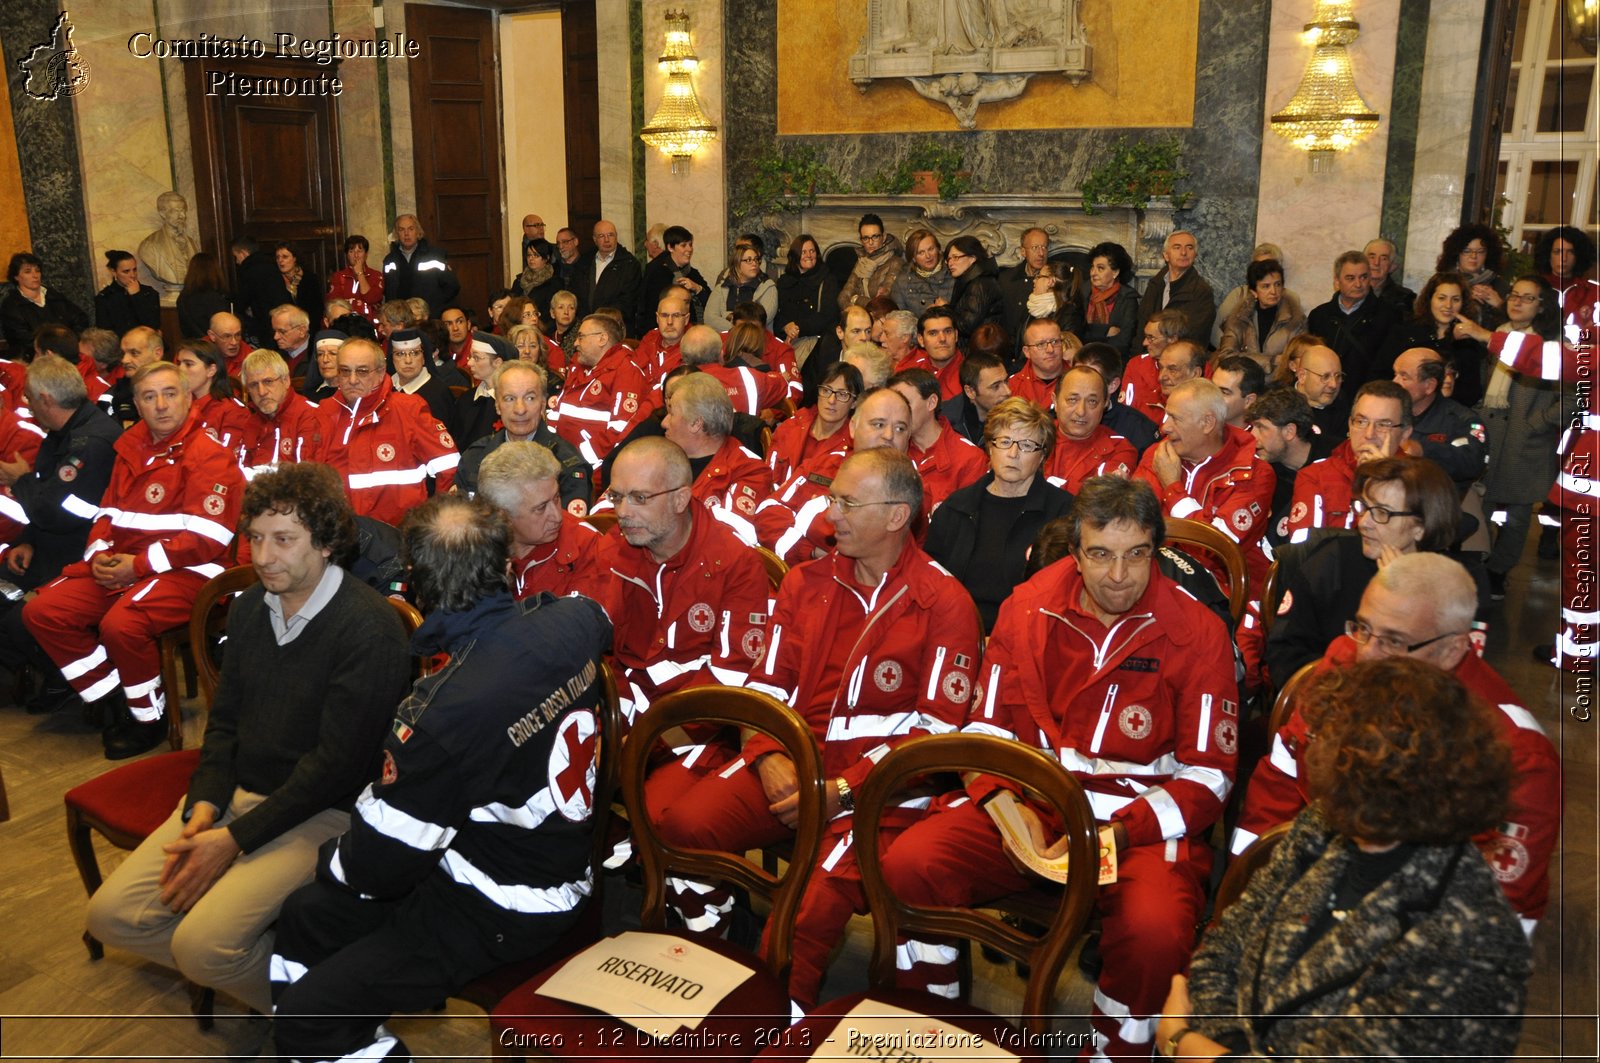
(1380, 514)
(834, 394)
(1361, 424)
(592, 335)
(850, 505)
(671, 315)
(748, 259)
(1049, 345)
(355, 373)
(638, 498)
(1336, 376)
(952, 256)
(872, 238)
(1026, 446)
(1361, 632)
(1100, 557)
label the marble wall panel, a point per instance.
(616, 120)
(1222, 148)
(1316, 216)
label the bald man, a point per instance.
(414, 268)
(1321, 380)
(609, 275)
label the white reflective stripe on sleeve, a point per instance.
(732, 769)
(403, 827)
(978, 727)
(772, 648)
(1212, 779)
(208, 571)
(527, 816)
(584, 413)
(810, 511)
(777, 693)
(1072, 760)
(1521, 717)
(78, 507)
(431, 265)
(362, 481)
(752, 392)
(285, 970)
(1104, 806)
(1168, 815)
(728, 677)
(1242, 840)
(1550, 368)
(935, 674)
(665, 671)
(10, 507)
(1204, 734)
(1282, 759)
(442, 463)
(837, 852)
(156, 554)
(1185, 506)
(845, 728)
(990, 690)
(515, 898)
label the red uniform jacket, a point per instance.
(1323, 493)
(172, 504)
(598, 407)
(19, 439)
(224, 419)
(733, 486)
(780, 356)
(295, 434)
(13, 375)
(569, 565)
(654, 361)
(698, 619)
(949, 374)
(94, 379)
(1232, 489)
(952, 463)
(794, 523)
(1074, 461)
(1025, 384)
(752, 390)
(1145, 714)
(793, 444)
(344, 285)
(1141, 386)
(1578, 484)
(236, 363)
(386, 448)
(869, 667)
(1518, 850)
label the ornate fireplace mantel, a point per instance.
(997, 220)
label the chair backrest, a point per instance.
(603, 521)
(1271, 595)
(208, 619)
(1283, 704)
(1193, 533)
(776, 567)
(1243, 866)
(745, 710)
(1040, 776)
(766, 440)
(411, 619)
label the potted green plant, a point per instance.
(1134, 173)
(936, 170)
(784, 180)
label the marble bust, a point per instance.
(164, 254)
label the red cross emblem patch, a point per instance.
(572, 766)
(888, 676)
(1134, 721)
(154, 494)
(385, 452)
(702, 617)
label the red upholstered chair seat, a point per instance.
(810, 1035)
(527, 1017)
(134, 799)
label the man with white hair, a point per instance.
(896, 333)
(552, 550)
(1181, 287)
(1205, 469)
(415, 268)
(520, 389)
(728, 479)
(605, 396)
(282, 425)
(1385, 278)
(291, 334)
(1421, 605)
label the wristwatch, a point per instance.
(847, 797)
(1171, 1047)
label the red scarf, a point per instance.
(1098, 312)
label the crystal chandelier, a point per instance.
(679, 128)
(1327, 114)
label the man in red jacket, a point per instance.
(729, 481)
(1380, 425)
(604, 396)
(872, 644)
(1207, 470)
(947, 460)
(657, 353)
(283, 425)
(163, 529)
(1104, 662)
(1421, 605)
(1041, 345)
(384, 442)
(1084, 446)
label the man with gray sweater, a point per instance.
(316, 662)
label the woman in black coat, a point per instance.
(1110, 300)
(125, 303)
(1443, 300)
(299, 285)
(808, 297)
(205, 293)
(982, 532)
(538, 281)
(30, 304)
(977, 297)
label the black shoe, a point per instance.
(1549, 543)
(135, 738)
(1497, 586)
(52, 698)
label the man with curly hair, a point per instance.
(282, 760)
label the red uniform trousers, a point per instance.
(101, 638)
(954, 857)
(727, 810)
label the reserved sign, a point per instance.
(657, 983)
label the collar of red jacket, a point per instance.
(371, 402)
(136, 444)
(912, 567)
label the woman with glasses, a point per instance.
(1377, 928)
(976, 297)
(816, 430)
(741, 282)
(1402, 506)
(1474, 251)
(924, 281)
(1444, 300)
(1523, 419)
(982, 532)
(563, 328)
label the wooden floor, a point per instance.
(57, 1004)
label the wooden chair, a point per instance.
(893, 920)
(1201, 536)
(762, 1001)
(1245, 865)
(488, 990)
(1283, 705)
(776, 567)
(603, 521)
(458, 390)
(1271, 595)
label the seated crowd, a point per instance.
(971, 474)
